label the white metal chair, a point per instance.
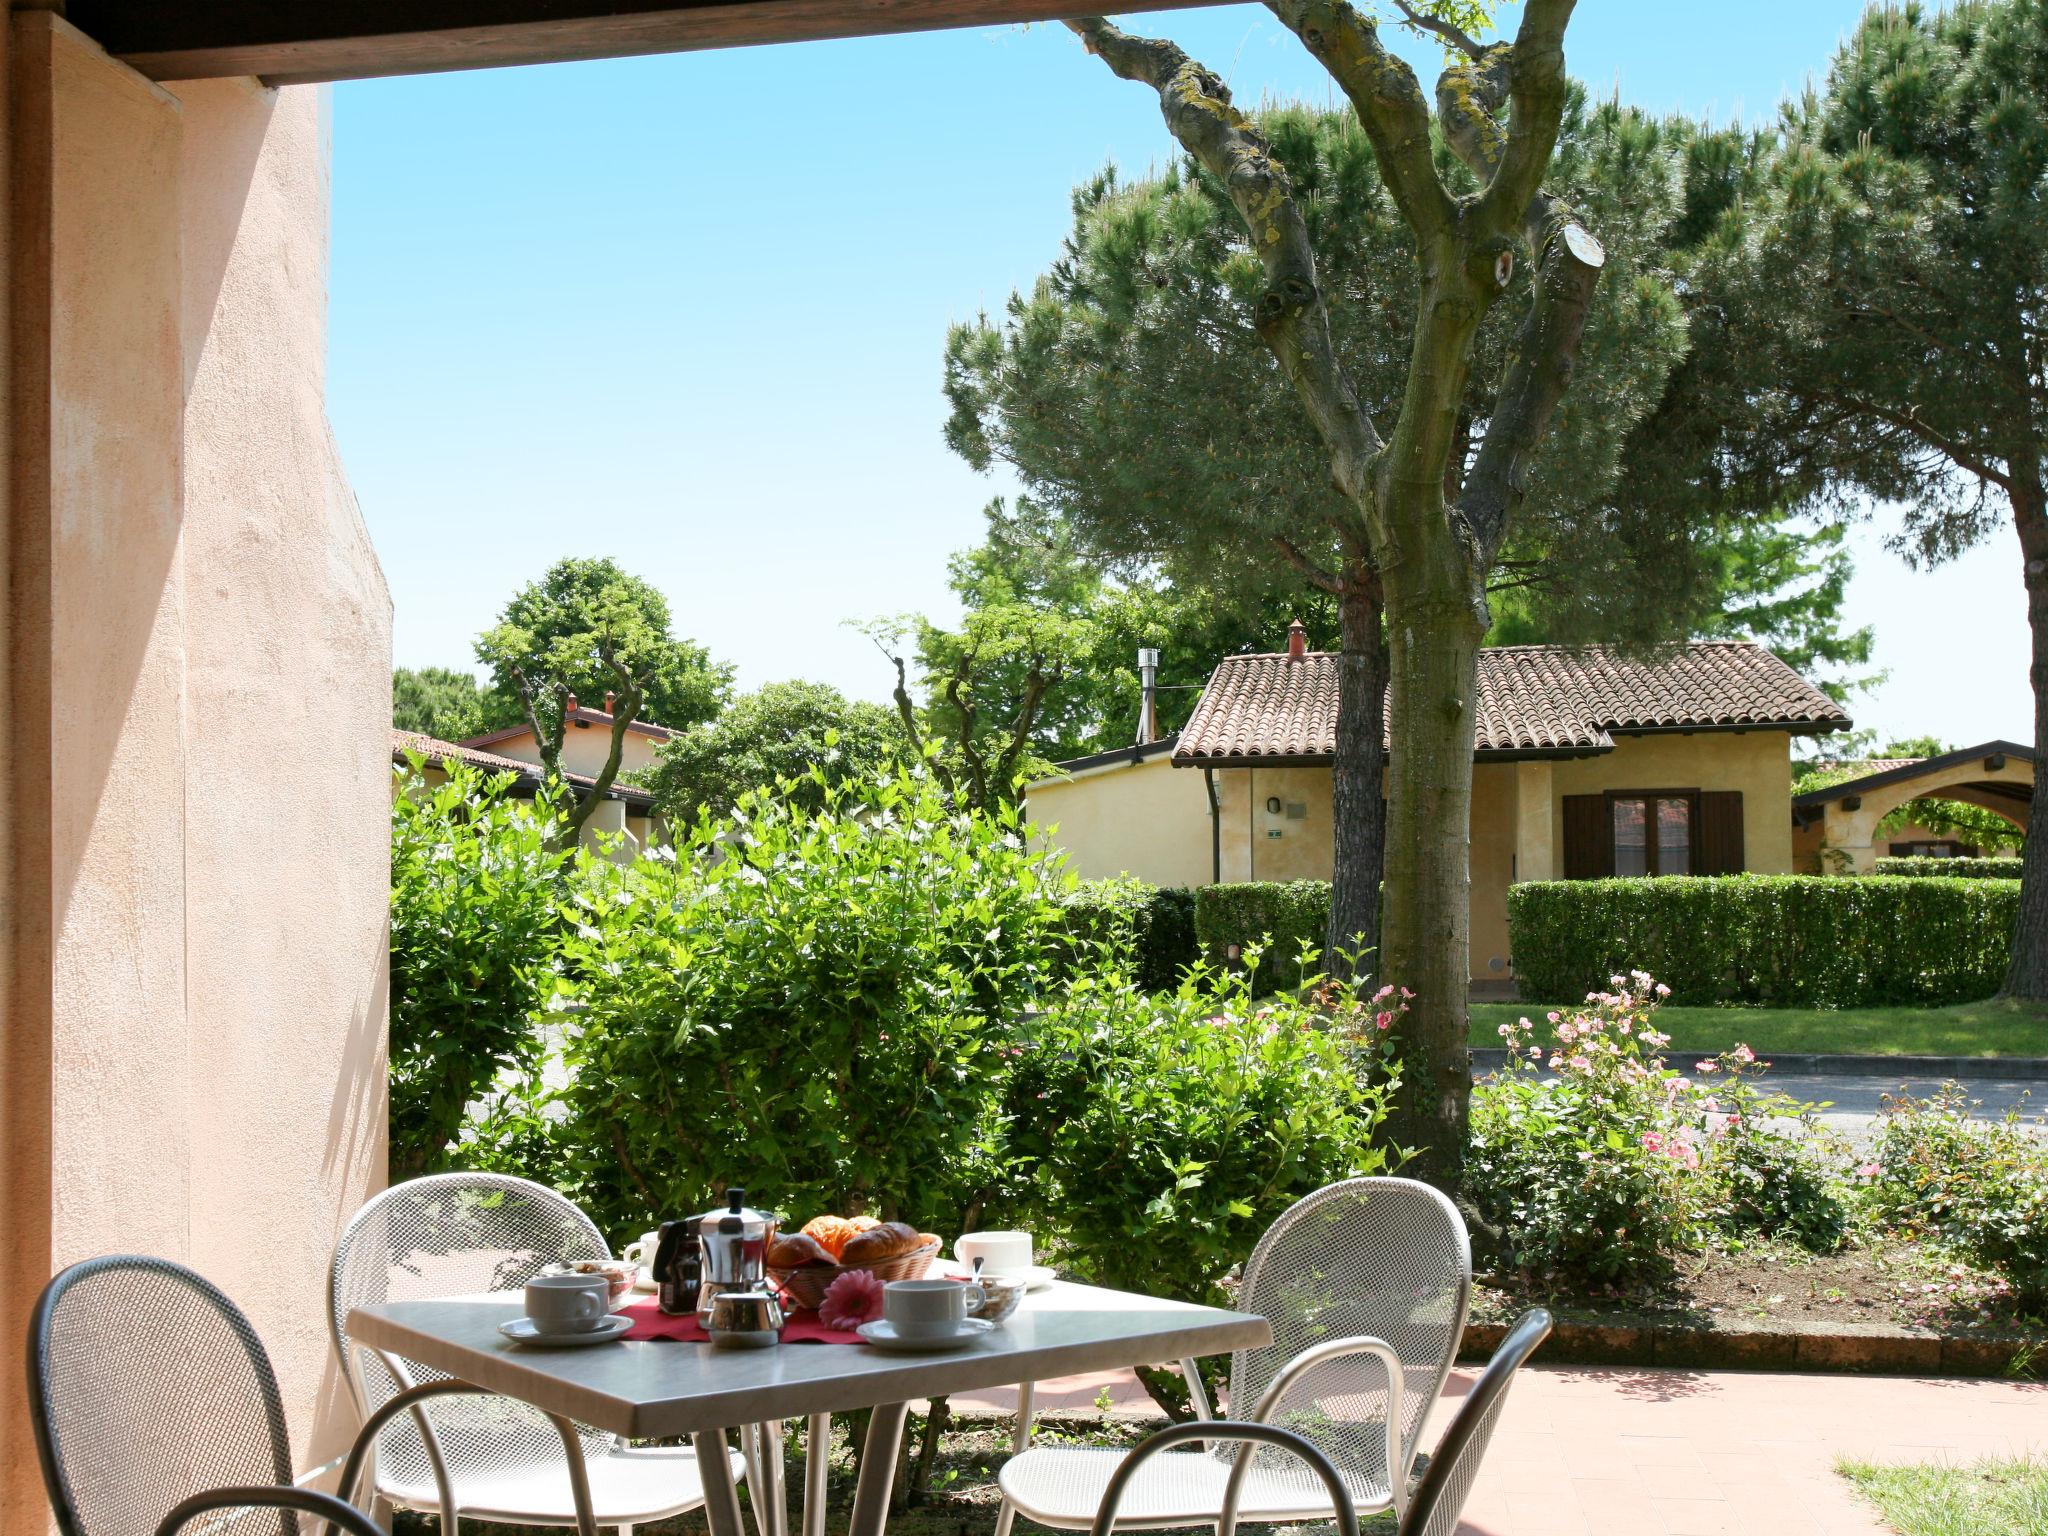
(483, 1455)
(1439, 1498)
(1366, 1284)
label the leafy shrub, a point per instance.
(1783, 941)
(1953, 869)
(1610, 1172)
(1153, 925)
(474, 888)
(1979, 1185)
(1282, 916)
(1163, 1132)
(820, 1004)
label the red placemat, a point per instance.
(650, 1322)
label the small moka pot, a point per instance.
(745, 1319)
(735, 1243)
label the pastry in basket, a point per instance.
(832, 1233)
(890, 1240)
(797, 1250)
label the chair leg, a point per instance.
(383, 1513)
(1020, 1441)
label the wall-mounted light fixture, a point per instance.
(1272, 805)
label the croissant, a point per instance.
(795, 1251)
(887, 1241)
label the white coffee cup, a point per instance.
(929, 1309)
(567, 1303)
(642, 1249)
(1001, 1253)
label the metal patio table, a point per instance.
(659, 1389)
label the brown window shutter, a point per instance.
(1719, 834)
(1588, 838)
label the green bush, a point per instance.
(1154, 926)
(1615, 1167)
(1163, 1132)
(1979, 1186)
(474, 893)
(1779, 941)
(1284, 916)
(818, 1003)
(1953, 869)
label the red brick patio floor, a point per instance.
(1593, 1452)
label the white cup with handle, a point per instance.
(1001, 1253)
(929, 1309)
(567, 1303)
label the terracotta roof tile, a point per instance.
(1533, 699)
(434, 750)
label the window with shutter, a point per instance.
(1588, 838)
(1720, 832)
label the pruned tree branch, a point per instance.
(1291, 316)
(1389, 102)
(1545, 350)
(1309, 571)
(625, 710)
(1536, 92)
(906, 711)
(1452, 34)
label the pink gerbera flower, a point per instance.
(854, 1298)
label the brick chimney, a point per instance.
(610, 703)
(1297, 642)
(569, 704)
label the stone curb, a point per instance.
(1852, 1348)
(2000, 1069)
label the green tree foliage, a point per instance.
(443, 702)
(774, 736)
(1906, 217)
(819, 1003)
(584, 630)
(474, 887)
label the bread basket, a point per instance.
(806, 1286)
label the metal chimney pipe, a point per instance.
(1148, 695)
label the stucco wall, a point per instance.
(196, 881)
(288, 668)
(1758, 763)
(1150, 820)
(1140, 820)
(585, 749)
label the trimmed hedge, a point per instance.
(1284, 914)
(1952, 869)
(1156, 924)
(1779, 941)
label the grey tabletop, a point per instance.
(659, 1388)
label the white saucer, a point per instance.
(521, 1330)
(883, 1335)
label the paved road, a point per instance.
(1857, 1100)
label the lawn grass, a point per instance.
(1989, 1498)
(1967, 1029)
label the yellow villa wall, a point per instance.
(1149, 819)
(585, 750)
(198, 686)
(1139, 820)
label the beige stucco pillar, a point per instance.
(1535, 822)
(197, 689)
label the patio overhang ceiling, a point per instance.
(294, 41)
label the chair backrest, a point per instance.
(452, 1234)
(1383, 1257)
(1440, 1497)
(146, 1385)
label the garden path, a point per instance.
(1585, 1451)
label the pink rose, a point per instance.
(854, 1298)
(1384, 1020)
(1868, 1171)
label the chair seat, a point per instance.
(1062, 1486)
(627, 1487)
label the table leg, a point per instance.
(878, 1458)
(773, 1496)
(721, 1500)
(817, 1469)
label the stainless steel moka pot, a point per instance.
(735, 1242)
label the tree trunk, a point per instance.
(2027, 974)
(1435, 633)
(1358, 808)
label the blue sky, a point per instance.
(688, 311)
